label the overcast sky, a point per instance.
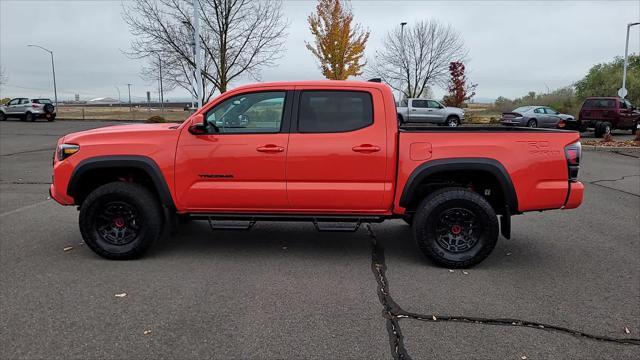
(514, 46)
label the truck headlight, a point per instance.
(66, 150)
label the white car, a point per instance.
(28, 109)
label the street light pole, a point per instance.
(53, 67)
(117, 88)
(402, 24)
(623, 90)
(196, 35)
(129, 86)
(160, 79)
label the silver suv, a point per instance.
(429, 111)
(28, 109)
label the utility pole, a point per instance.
(161, 93)
(623, 90)
(129, 87)
(402, 24)
(53, 67)
(117, 88)
(196, 34)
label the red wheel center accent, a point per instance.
(119, 222)
(456, 229)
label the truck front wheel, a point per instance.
(455, 227)
(120, 220)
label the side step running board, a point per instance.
(231, 224)
(322, 222)
(336, 226)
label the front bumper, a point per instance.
(576, 193)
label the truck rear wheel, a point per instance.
(455, 227)
(120, 220)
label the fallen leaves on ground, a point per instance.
(626, 330)
(67, 248)
(612, 143)
(147, 332)
(121, 295)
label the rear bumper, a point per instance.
(511, 123)
(576, 193)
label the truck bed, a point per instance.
(533, 159)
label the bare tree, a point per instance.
(413, 61)
(238, 38)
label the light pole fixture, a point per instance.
(623, 90)
(53, 67)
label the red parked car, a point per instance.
(603, 114)
(329, 152)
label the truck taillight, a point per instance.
(573, 152)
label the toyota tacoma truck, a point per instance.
(328, 152)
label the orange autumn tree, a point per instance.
(339, 43)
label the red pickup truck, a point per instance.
(330, 152)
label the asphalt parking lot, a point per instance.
(286, 291)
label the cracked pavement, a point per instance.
(287, 291)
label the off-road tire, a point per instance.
(443, 201)
(533, 123)
(601, 129)
(149, 220)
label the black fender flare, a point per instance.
(139, 162)
(432, 167)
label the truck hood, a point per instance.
(454, 109)
(129, 129)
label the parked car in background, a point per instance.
(536, 116)
(28, 109)
(603, 114)
(429, 111)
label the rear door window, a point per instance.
(334, 111)
(419, 103)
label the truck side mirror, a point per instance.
(196, 126)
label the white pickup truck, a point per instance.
(429, 111)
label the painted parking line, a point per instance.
(27, 207)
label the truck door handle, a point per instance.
(366, 148)
(270, 148)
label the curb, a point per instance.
(610, 148)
